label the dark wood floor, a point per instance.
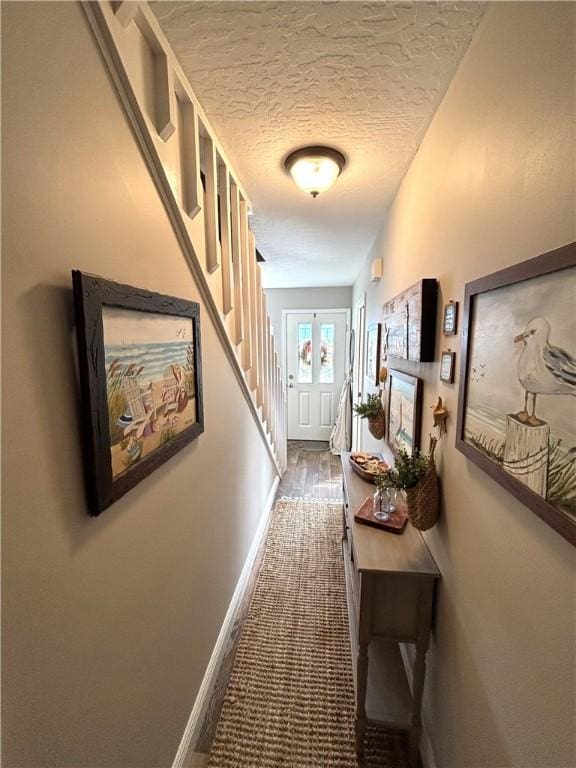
(312, 471)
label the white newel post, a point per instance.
(263, 355)
(270, 384)
(276, 401)
(284, 427)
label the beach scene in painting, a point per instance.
(401, 417)
(521, 401)
(150, 382)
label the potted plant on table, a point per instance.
(373, 411)
(415, 475)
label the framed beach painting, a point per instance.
(373, 352)
(140, 372)
(517, 398)
(403, 411)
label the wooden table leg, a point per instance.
(417, 690)
(364, 634)
(419, 671)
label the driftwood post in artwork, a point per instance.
(526, 449)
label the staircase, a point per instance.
(206, 203)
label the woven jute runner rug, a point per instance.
(290, 699)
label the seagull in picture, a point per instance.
(543, 369)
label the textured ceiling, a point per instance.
(365, 78)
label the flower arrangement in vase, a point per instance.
(415, 475)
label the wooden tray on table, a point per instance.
(395, 524)
(368, 466)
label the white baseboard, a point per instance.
(191, 732)
(426, 751)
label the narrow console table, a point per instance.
(390, 582)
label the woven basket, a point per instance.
(377, 425)
(423, 500)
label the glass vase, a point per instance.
(383, 504)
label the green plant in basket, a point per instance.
(407, 472)
(371, 408)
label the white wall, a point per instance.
(491, 185)
(108, 622)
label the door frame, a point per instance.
(302, 311)
(358, 371)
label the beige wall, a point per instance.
(108, 622)
(491, 185)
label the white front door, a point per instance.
(315, 366)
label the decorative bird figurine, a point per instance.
(543, 369)
(440, 415)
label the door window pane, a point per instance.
(326, 353)
(304, 353)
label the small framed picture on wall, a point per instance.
(450, 323)
(447, 364)
(372, 371)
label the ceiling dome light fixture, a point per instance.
(315, 169)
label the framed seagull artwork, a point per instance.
(517, 398)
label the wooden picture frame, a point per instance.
(409, 323)
(516, 419)
(403, 411)
(450, 319)
(447, 366)
(373, 340)
(140, 368)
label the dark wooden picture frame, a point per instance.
(373, 336)
(450, 319)
(447, 358)
(396, 434)
(409, 323)
(183, 398)
(501, 462)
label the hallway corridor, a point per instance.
(226, 224)
(285, 694)
(312, 471)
